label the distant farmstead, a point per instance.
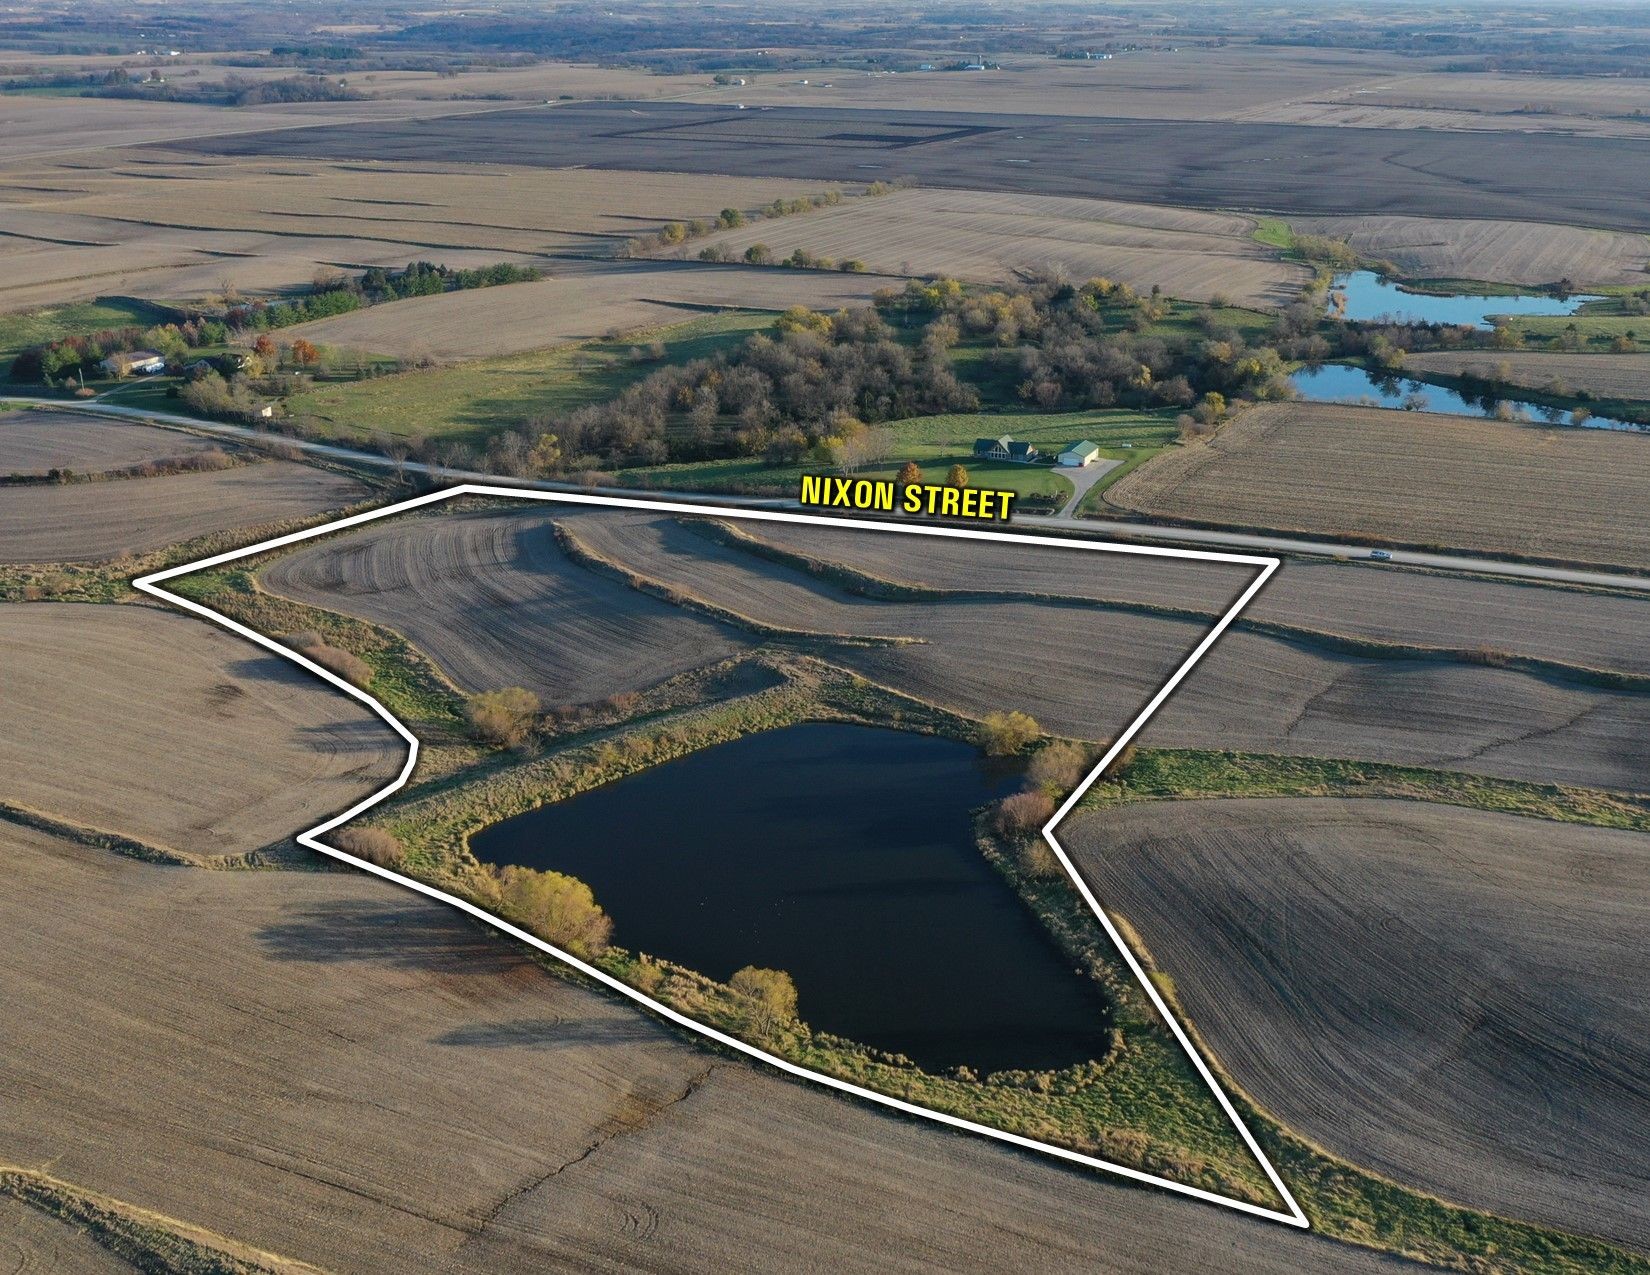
(1004, 448)
(128, 362)
(1080, 454)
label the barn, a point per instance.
(1080, 454)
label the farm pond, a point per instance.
(845, 856)
(1343, 383)
(1369, 296)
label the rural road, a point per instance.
(1065, 521)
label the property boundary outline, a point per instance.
(1267, 565)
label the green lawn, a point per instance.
(936, 442)
(34, 327)
(472, 400)
(1604, 327)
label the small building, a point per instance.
(133, 362)
(1004, 448)
(1079, 455)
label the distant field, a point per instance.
(1603, 376)
(1524, 252)
(983, 235)
(86, 522)
(1410, 478)
(168, 225)
(580, 302)
(1275, 168)
(471, 400)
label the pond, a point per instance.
(844, 855)
(1369, 296)
(1343, 383)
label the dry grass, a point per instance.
(992, 236)
(155, 725)
(1410, 478)
(87, 522)
(35, 442)
(579, 302)
(1618, 376)
(1497, 251)
(1336, 952)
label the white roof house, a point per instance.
(1080, 454)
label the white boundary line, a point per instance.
(150, 584)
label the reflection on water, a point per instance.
(1368, 296)
(1342, 383)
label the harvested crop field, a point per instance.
(494, 601)
(444, 582)
(87, 522)
(35, 442)
(1451, 997)
(1381, 604)
(581, 302)
(170, 225)
(1603, 376)
(1409, 478)
(498, 1119)
(1525, 252)
(995, 237)
(1276, 168)
(166, 729)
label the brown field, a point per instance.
(1190, 84)
(1287, 170)
(172, 226)
(350, 1076)
(169, 730)
(1620, 376)
(1450, 997)
(34, 127)
(980, 235)
(1377, 603)
(1411, 478)
(1253, 692)
(494, 601)
(581, 301)
(1495, 251)
(33, 442)
(33, 1242)
(92, 522)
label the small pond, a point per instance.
(1342, 383)
(844, 855)
(1368, 296)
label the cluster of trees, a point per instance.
(818, 384)
(558, 908)
(330, 295)
(52, 361)
(674, 233)
(504, 718)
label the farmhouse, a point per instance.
(1080, 454)
(1004, 448)
(129, 361)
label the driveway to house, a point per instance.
(1082, 480)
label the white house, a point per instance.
(130, 362)
(1080, 454)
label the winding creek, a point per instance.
(844, 855)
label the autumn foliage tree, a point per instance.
(1003, 734)
(909, 474)
(958, 477)
(770, 996)
(558, 908)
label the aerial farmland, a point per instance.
(465, 808)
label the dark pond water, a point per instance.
(1368, 296)
(1342, 383)
(844, 855)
